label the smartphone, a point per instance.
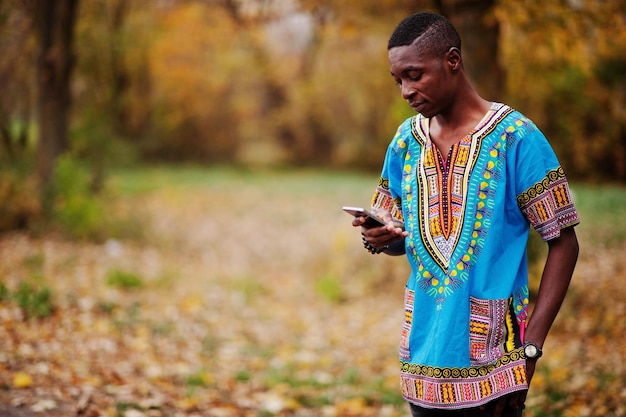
(371, 220)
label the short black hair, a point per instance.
(439, 33)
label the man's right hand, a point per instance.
(382, 236)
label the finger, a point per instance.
(380, 234)
(392, 228)
(358, 221)
(385, 239)
(398, 231)
(376, 236)
(383, 214)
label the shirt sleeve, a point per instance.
(543, 192)
(387, 195)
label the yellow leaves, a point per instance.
(141, 341)
(544, 41)
(189, 60)
(559, 375)
(277, 400)
(188, 403)
(352, 407)
(241, 331)
(22, 380)
(359, 407)
(191, 304)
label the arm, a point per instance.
(396, 248)
(557, 274)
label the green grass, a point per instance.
(602, 210)
(140, 180)
(34, 300)
(603, 206)
(124, 280)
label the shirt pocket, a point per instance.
(493, 330)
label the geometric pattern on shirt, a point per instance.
(452, 273)
(446, 184)
(548, 205)
(496, 364)
(521, 300)
(493, 329)
(405, 335)
(444, 194)
(443, 201)
(454, 388)
(383, 200)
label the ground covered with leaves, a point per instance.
(248, 295)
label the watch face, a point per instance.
(530, 351)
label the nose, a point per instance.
(407, 90)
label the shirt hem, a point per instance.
(464, 405)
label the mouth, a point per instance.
(415, 105)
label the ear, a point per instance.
(455, 61)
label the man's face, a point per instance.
(425, 81)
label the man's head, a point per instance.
(435, 33)
(425, 61)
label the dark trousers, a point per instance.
(468, 412)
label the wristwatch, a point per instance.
(532, 351)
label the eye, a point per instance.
(415, 76)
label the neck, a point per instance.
(465, 112)
(468, 108)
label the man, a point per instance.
(467, 177)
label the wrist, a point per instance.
(396, 248)
(532, 351)
(371, 249)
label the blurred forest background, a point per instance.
(282, 83)
(171, 177)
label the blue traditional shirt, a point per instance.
(467, 218)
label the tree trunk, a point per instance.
(120, 78)
(480, 33)
(54, 26)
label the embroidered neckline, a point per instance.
(441, 206)
(446, 185)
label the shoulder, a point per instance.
(516, 126)
(405, 134)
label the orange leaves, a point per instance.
(188, 60)
(231, 322)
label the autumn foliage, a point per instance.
(284, 83)
(244, 292)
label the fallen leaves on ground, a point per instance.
(222, 310)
